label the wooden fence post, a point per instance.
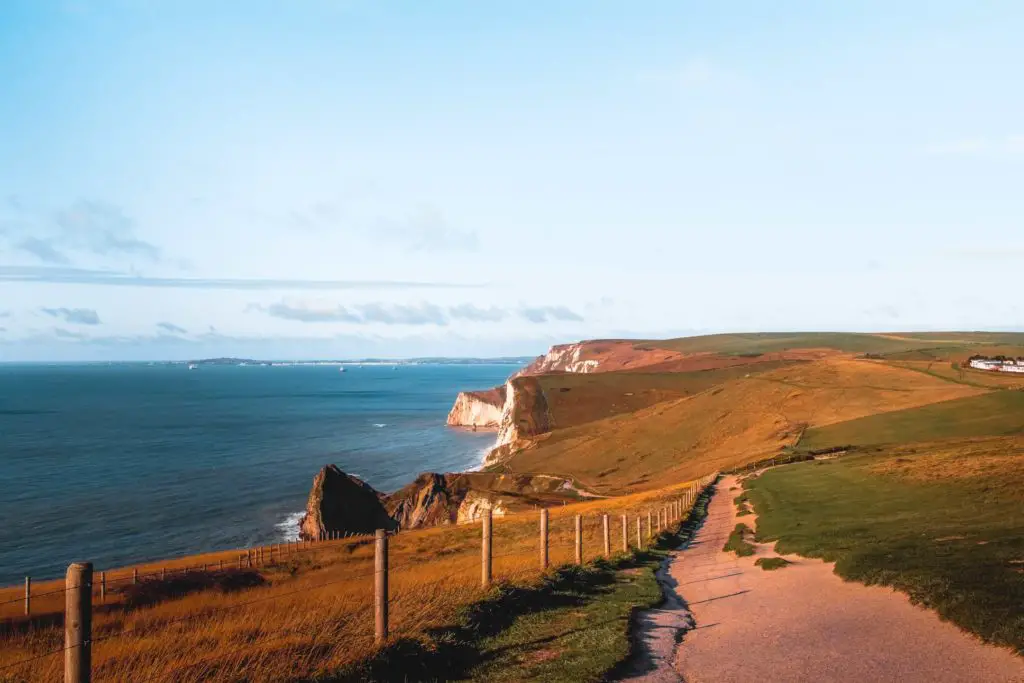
(28, 595)
(579, 539)
(650, 529)
(163, 573)
(78, 623)
(607, 536)
(135, 576)
(639, 539)
(380, 587)
(543, 539)
(103, 587)
(625, 534)
(485, 547)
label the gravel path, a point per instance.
(801, 623)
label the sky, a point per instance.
(347, 178)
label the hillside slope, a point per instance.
(737, 422)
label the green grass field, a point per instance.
(896, 343)
(1000, 413)
(945, 526)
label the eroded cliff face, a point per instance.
(460, 498)
(435, 499)
(340, 502)
(478, 409)
(524, 414)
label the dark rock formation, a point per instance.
(343, 503)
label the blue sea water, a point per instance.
(131, 462)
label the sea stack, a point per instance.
(343, 503)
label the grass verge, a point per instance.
(771, 563)
(941, 523)
(737, 541)
(573, 625)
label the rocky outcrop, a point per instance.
(478, 409)
(459, 498)
(340, 502)
(436, 499)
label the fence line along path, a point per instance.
(81, 591)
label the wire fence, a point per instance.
(140, 626)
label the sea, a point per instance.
(124, 463)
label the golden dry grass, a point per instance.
(730, 425)
(999, 462)
(314, 616)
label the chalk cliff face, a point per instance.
(563, 358)
(599, 356)
(478, 409)
(525, 412)
(343, 503)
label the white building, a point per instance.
(992, 364)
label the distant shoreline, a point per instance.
(254, 362)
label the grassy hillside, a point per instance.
(996, 413)
(575, 399)
(942, 523)
(738, 422)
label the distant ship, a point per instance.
(341, 368)
(192, 366)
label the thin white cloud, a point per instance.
(409, 314)
(171, 328)
(543, 314)
(307, 314)
(478, 314)
(87, 276)
(75, 316)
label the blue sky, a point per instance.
(350, 178)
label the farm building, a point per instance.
(998, 364)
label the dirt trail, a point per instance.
(801, 623)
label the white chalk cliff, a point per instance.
(479, 409)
